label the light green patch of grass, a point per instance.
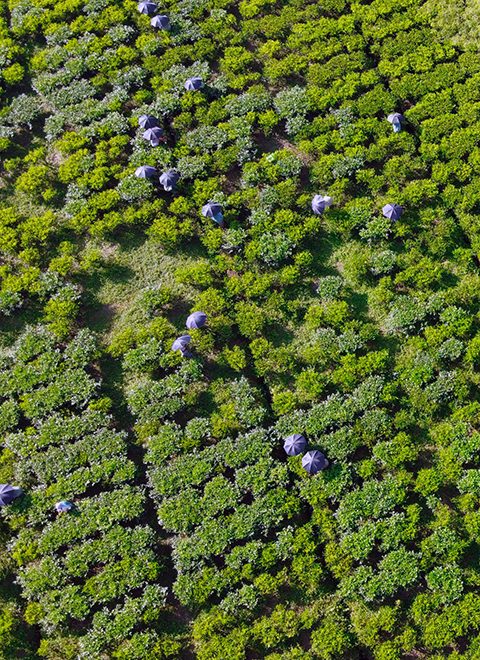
(132, 265)
(113, 295)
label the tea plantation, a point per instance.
(306, 174)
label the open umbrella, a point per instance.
(8, 493)
(192, 84)
(314, 461)
(147, 121)
(395, 118)
(181, 344)
(160, 22)
(169, 179)
(214, 211)
(147, 7)
(145, 172)
(320, 203)
(295, 444)
(153, 135)
(392, 211)
(63, 506)
(196, 320)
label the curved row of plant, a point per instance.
(97, 569)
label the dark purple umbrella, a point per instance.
(192, 84)
(153, 135)
(314, 461)
(320, 203)
(147, 121)
(8, 494)
(214, 211)
(161, 22)
(392, 211)
(169, 179)
(396, 120)
(147, 7)
(181, 344)
(196, 320)
(295, 444)
(145, 172)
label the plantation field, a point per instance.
(190, 531)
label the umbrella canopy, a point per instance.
(147, 121)
(169, 179)
(145, 172)
(295, 444)
(147, 7)
(213, 210)
(181, 343)
(395, 118)
(320, 203)
(192, 84)
(160, 22)
(314, 461)
(8, 494)
(153, 135)
(392, 211)
(63, 506)
(196, 320)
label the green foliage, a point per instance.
(331, 639)
(192, 532)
